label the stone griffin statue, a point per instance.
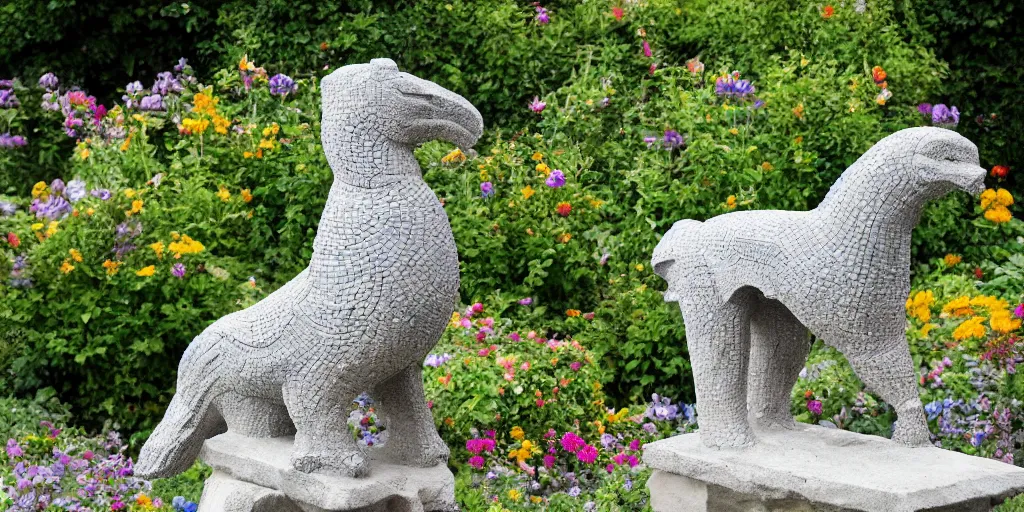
(751, 284)
(375, 299)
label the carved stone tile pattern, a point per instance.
(751, 284)
(377, 294)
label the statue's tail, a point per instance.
(673, 244)
(190, 418)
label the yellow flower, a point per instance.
(221, 125)
(40, 190)
(204, 104)
(266, 144)
(563, 238)
(51, 229)
(111, 267)
(90, 211)
(734, 131)
(536, 499)
(246, 195)
(158, 248)
(989, 302)
(537, 157)
(639, 267)
(144, 501)
(798, 111)
(271, 130)
(960, 306)
(456, 318)
(1002, 321)
(951, 260)
(245, 65)
(127, 141)
(66, 267)
(804, 61)
(247, 154)
(146, 271)
(971, 328)
(612, 418)
(925, 329)
(75, 255)
(767, 166)
(223, 194)
(919, 305)
(186, 245)
(596, 203)
(136, 206)
(517, 433)
(572, 312)
(998, 214)
(456, 155)
(543, 168)
(37, 226)
(528, 191)
(730, 203)
(129, 193)
(195, 126)
(514, 494)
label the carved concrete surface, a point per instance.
(255, 475)
(377, 294)
(817, 469)
(750, 284)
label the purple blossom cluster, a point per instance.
(55, 203)
(542, 16)
(12, 141)
(19, 273)
(124, 234)
(76, 475)
(282, 85)
(940, 114)
(731, 86)
(437, 361)
(7, 97)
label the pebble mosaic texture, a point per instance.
(751, 285)
(375, 299)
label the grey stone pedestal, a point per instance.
(814, 469)
(255, 475)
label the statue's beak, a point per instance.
(446, 116)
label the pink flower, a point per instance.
(549, 461)
(537, 106)
(483, 352)
(618, 13)
(815, 407)
(634, 445)
(525, 366)
(540, 402)
(652, 69)
(529, 470)
(1019, 311)
(550, 434)
(572, 442)
(477, 462)
(587, 454)
(465, 323)
(588, 316)
(647, 49)
(609, 468)
(575, 366)
(480, 336)
(515, 337)
(478, 308)
(526, 301)
(531, 334)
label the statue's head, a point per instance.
(930, 160)
(362, 101)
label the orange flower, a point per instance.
(564, 209)
(878, 74)
(828, 12)
(572, 312)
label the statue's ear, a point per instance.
(384, 64)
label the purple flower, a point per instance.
(943, 115)
(11, 141)
(133, 88)
(48, 81)
(180, 66)
(166, 83)
(925, 109)
(55, 207)
(977, 438)
(75, 190)
(153, 102)
(13, 450)
(542, 16)
(178, 270)
(575, 366)
(436, 361)
(487, 189)
(650, 140)
(587, 454)
(815, 407)
(572, 443)
(732, 86)
(758, 104)
(281, 84)
(101, 193)
(57, 186)
(50, 102)
(526, 301)
(673, 139)
(647, 49)
(8, 99)
(7, 208)
(661, 409)
(537, 106)
(556, 179)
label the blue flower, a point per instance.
(933, 409)
(977, 438)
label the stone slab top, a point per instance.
(265, 462)
(839, 468)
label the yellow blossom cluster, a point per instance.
(526, 450)
(184, 244)
(268, 142)
(541, 167)
(456, 156)
(1000, 319)
(204, 105)
(919, 305)
(951, 260)
(995, 204)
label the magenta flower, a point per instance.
(537, 106)
(526, 301)
(556, 179)
(178, 270)
(572, 443)
(647, 49)
(1019, 311)
(487, 189)
(815, 407)
(549, 461)
(587, 454)
(575, 366)
(542, 16)
(476, 462)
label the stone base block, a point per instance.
(814, 469)
(254, 475)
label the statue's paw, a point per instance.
(912, 436)
(396, 452)
(774, 423)
(728, 440)
(352, 464)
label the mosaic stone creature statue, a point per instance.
(375, 299)
(750, 284)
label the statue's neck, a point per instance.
(369, 160)
(885, 211)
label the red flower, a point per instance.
(618, 13)
(828, 12)
(1000, 171)
(878, 75)
(978, 273)
(13, 240)
(564, 209)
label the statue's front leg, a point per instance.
(412, 437)
(888, 370)
(318, 401)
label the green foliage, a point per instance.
(188, 485)
(20, 417)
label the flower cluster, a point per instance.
(996, 205)
(880, 78)
(940, 115)
(731, 86)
